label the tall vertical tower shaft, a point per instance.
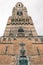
(20, 44)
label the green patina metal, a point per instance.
(23, 62)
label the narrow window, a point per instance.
(19, 13)
(38, 51)
(6, 49)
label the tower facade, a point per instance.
(20, 44)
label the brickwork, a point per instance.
(20, 38)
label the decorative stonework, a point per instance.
(20, 44)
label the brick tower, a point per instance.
(20, 44)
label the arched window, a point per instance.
(20, 30)
(19, 13)
(23, 61)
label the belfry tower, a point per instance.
(20, 44)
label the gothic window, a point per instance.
(20, 30)
(19, 13)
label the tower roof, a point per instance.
(19, 4)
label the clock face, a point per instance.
(19, 13)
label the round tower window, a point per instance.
(19, 4)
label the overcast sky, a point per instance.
(34, 8)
